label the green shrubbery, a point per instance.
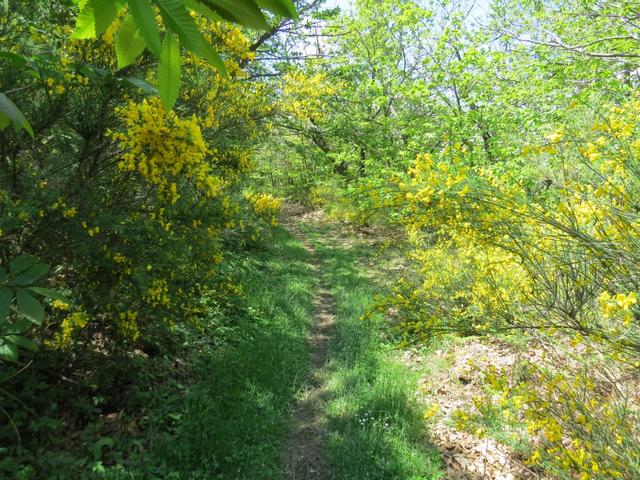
(131, 206)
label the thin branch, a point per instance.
(558, 43)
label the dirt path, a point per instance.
(302, 457)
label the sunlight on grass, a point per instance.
(375, 425)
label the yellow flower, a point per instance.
(60, 305)
(555, 136)
(72, 323)
(431, 411)
(70, 212)
(163, 148)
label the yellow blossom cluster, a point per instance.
(576, 429)
(128, 325)
(304, 96)
(70, 212)
(618, 306)
(158, 293)
(230, 39)
(60, 305)
(71, 323)
(147, 227)
(164, 149)
(557, 257)
(265, 206)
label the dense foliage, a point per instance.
(504, 142)
(132, 206)
(145, 147)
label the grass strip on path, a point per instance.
(236, 415)
(376, 429)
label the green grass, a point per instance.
(235, 418)
(223, 410)
(376, 430)
(213, 403)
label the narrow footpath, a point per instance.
(302, 457)
(356, 415)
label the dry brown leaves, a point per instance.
(453, 387)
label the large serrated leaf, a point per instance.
(169, 71)
(95, 18)
(178, 20)
(6, 297)
(85, 23)
(286, 8)
(202, 9)
(129, 43)
(212, 56)
(30, 307)
(242, 12)
(10, 113)
(145, 18)
(29, 276)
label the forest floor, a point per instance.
(356, 415)
(296, 378)
(369, 410)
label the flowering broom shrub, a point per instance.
(555, 257)
(129, 203)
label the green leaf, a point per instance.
(8, 352)
(49, 293)
(145, 19)
(30, 275)
(286, 8)
(22, 263)
(169, 71)
(95, 18)
(21, 341)
(178, 20)
(9, 112)
(18, 326)
(145, 86)
(33, 73)
(6, 297)
(3, 274)
(30, 307)
(17, 61)
(129, 43)
(99, 445)
(212, 56)
(202, 9)
(242, 12)
(4, 121)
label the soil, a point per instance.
(302, 458)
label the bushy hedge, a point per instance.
(131, 206)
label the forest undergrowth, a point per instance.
(477, 166)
